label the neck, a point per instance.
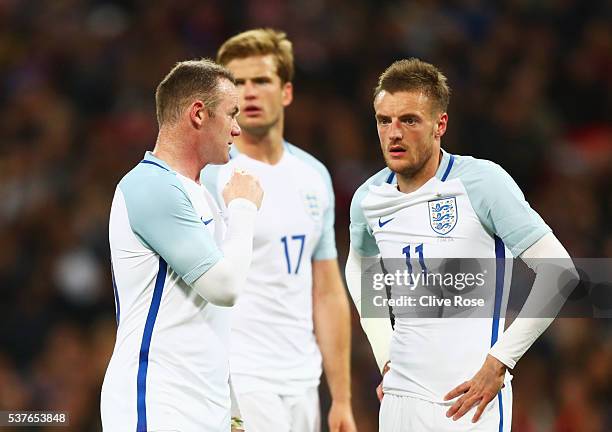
(173, 148)
(407, 184)
(266, 147)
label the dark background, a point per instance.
(532, 84)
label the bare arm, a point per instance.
(332, 330)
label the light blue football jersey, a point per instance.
(471, 208)
(170, 365)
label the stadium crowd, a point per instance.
(532, 90)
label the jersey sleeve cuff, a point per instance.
(526, 243)
(325, 255)
(502, 358)
(202, 267)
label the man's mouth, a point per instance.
(251, 110)
(396, 150)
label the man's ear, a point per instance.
(441, 126)
(198, 113)
(287, 94)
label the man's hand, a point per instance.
(243, 185)
(340, 418)
(379, 389)
(481, 389)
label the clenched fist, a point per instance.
(243, 185)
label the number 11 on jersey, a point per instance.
(419, 250)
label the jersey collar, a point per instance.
(234, 152)
(446, 165)
(444, 169)
(148, 157)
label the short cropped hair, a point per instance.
(189, 80)
(261, 41)
(413, 74)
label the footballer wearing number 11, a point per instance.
(445, 374)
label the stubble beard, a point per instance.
(412, 170)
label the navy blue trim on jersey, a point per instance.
(141, 380)
(154, 163)
(388, 293)
(116, 292)
(284, 241)
(233, 152)
(500, 268)
(390, 178)
(448, 167)
(501, 411)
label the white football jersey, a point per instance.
(273, 346)
(170, 365)
(471, 209)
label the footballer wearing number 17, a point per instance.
(294, 315)
(433, 204)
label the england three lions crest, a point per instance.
(312, 205)
(443, 215)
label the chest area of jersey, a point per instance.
(206, 210)
(290, 208)
(446, 226)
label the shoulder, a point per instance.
(151, 188)
(482, 175)
(147, 177)
(383, 176)
(309, 161)
(471, 167)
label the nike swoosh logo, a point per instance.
(382, 224)
(206, 222)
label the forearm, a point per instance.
(377, 330)
(555, 278)
(222, 283)
(332, 328)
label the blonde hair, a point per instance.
(262, 41)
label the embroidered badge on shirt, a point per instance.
(443, 215)
(312, 203)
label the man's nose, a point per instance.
(249, 90)
(395, 130)
(235, 128)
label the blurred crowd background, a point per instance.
(532, 90)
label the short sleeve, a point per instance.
(502, 208)
(326, 246)
(162, 216)
(362, 239)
